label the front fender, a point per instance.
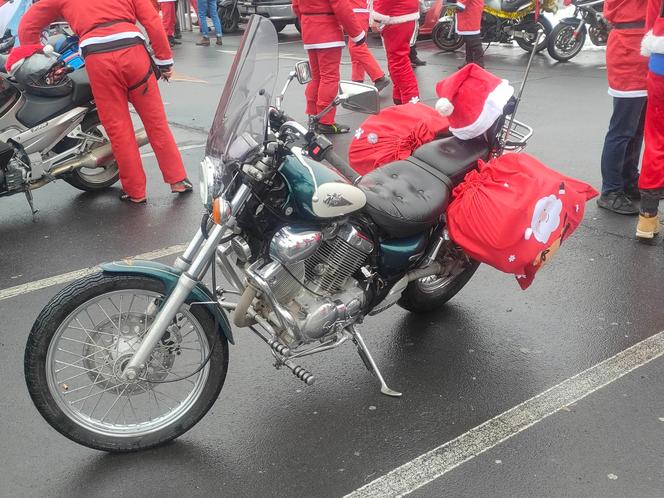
(169, 277)
(572, 21)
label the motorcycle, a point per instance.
(229, 15)
(135, 355)
(503, 21)
(49, 129)
(569, 35)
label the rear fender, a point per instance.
(572, 21)
(169, 277)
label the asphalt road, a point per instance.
(492, 348)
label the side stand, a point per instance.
(370, 363)
(35, 212)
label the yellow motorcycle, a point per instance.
(503, 21)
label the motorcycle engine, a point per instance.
(311, 276)
(13, 172)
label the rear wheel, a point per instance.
(445, 37)
(531, 27)
(430, 293)
(83, 339)
(562, 44)
(90, 179)
(230, 19)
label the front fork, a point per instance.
(194, 263)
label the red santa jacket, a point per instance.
(653, 42)
(626, 68)
(322, 22)
(102, 26)
(360, 6)
(395, 11)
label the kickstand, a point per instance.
(370, 363)
(35, 212)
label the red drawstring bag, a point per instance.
(514, 213)
(394, 134)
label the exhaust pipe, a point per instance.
(96, 158)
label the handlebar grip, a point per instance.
(338, 162)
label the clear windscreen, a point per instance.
(241, 121)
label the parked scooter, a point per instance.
(135, 355)
(49, 129)
(503, 21)
(569, 35)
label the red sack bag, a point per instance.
(514, 213)
(394, 134)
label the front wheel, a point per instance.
(82, 341)
(230, 19)
(445, 37)
(430, 293)
(531, 27)
(563, 45)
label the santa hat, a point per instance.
(18, 55)
(474, 99)
(653, 42)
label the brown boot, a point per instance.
(203, 42)
(219, 41)
(647, 227)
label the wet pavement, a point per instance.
(488, 350)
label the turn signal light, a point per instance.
(216, 210)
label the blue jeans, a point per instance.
(208, 8)
(622, 145)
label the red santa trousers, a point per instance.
(396, 39)
(111, 74)
(324, 85)
(469, 21)
(363, 61)
(652, 168)
(168, 17)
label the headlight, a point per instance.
(206, 179)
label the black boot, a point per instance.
(415, 61)
(474, 50)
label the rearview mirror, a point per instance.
(359, 97)
(303, 72)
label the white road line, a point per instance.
(181, 148)
(68, 277)
(439, 461)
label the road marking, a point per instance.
(441, 460)
(233, 52)
(183, 77)
(181, 148)
(68, 277)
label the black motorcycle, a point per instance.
(569, 36)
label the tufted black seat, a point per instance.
(453, 157)
(404, 199)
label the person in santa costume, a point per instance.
(323, 23)
(120, 71)
(169, 18)
(626, 71)
(363, 61)
(473, 99)
(398, 19)
(468, 26)
(651, 181)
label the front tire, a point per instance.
(561, 45)
(230, 19)
(531, 26)
(445, 38)
(82, 340)
(430, 293)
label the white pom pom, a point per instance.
(48, 50)
(444, 107)
(529, 233)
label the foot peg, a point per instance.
(301, 373)
(371, 364)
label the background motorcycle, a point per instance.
(503, 21)
(569, 35)
(49, 129)
(134, 356)
(229, 15)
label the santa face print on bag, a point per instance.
(546, 218)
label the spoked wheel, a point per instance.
(445, 37)
(430, 293)
(563, 45)
(81, 343)
(531, 27)
(230, 19)
(91, 179)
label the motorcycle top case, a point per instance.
(513, 213)
(394, 134)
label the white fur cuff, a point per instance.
(652, 44)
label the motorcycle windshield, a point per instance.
(240, 124)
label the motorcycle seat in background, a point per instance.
(82, 91)
(513, 5)
(453, 157)
(403, 198)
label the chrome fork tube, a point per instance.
(183, 262)
(187, 281)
